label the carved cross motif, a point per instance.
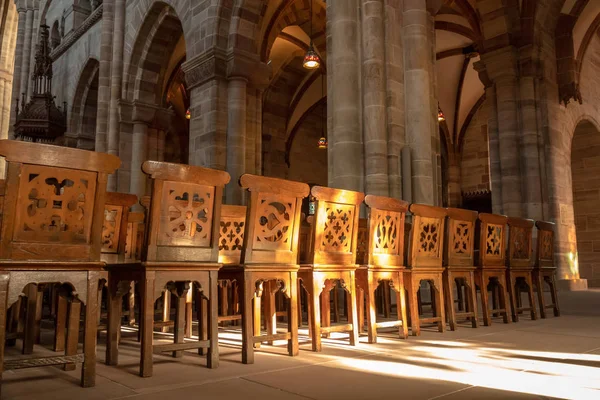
(337, 232)
(387, 233)
(493, 240)
(232, 235)
(462, 238)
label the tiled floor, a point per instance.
(556, 357)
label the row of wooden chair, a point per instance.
(61, 229)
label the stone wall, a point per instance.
(475, 160)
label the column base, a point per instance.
(572, 285)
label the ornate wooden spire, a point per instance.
(40, 120)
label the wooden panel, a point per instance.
(545, 245)
(274, 222)
(427, 236)
(111, 228)
(460, 242)
(520, 237)
(492, 238)
(231, 239)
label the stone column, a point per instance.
(139, 154)
(532, 188)
(454, 192)
(104, 75)
(374, 93)
(345, 141)
(501, 68)
(25, 77)
(115, 85)
(418, 97)
(236, 137)
(34, 43)
(18, 61)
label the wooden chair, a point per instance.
(520, 265)
(544, 271)
(333, 258)
(492, 265)
(52, 233)
(270, 259)
(459, 260)
(133, 253)
(425, 260)
(181, 249)
(384, 262)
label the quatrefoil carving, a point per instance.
(462, 238)
(55, 205)
(232, 235)
(337, 231)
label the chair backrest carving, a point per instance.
(273, 220)
(426, 236)
(335, 230)
(231, 236)
(114, 229)
(460, 238)
(386, 231)
(54, 203)
(520, 246)
(135, 237)
(545, 245)
(491, 241)
(185, 212)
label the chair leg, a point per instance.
(504, 300)
(147, 327)
(212, 359)
(352, 315)
(248, 322)
(180, 321)
(115, 303)
(257, 317)
(449, 296)
(131, 304)
(438, 294)
(413, 292)
(472, 300)
(511, 281)
(38, 313)
(326, 308)
(189, 312)
(554, 294)
(88, 371)
(72, 332)
(336, 305)
(293, 346)
(60, 323)
(369, 293)
(361, 295)
(202, 321)
(315, 314)
(270, 308)
(299, 301)
(485, 306)
(401, 306)
(4, 279)
(30, 322)
(166, 310)
(531, 298)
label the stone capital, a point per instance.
(205, 67)
(241, 64)
(501, 64)
(529, 62)
(479, 66)
(433, 6)
(137, 112)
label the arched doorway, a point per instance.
(585, 169)
(82, 126)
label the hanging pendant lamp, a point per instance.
(441, 117)
(311, 58)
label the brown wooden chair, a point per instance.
(270, 259)
(384, 262)
(133, 253)
(425, 260)
(459, 261)
(181, 251)
(491, 245)
(52, 233)
(519, 274)
(544, 271)
(332, 258)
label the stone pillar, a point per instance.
(25, 77)
(139, 154)
(104, 75)
(18, 61)
(501, 68)
(532, 179)
(418, 97)
(454, 192)
(236, 137)
(34, 43)
(115, 85)
(374, 93)
(345, 141)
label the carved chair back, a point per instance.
(231, 239)
(426, 237)
(54, 203)
(114, 229)
(491, 240)
(545, 245)
(185, 212)
(335, 230)
(135, 237)
(273, 220)
(362, 242)
(386, 231)
(460, 238)
(520, 246)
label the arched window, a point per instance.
(55, 35)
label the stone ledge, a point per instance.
(572, 285)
